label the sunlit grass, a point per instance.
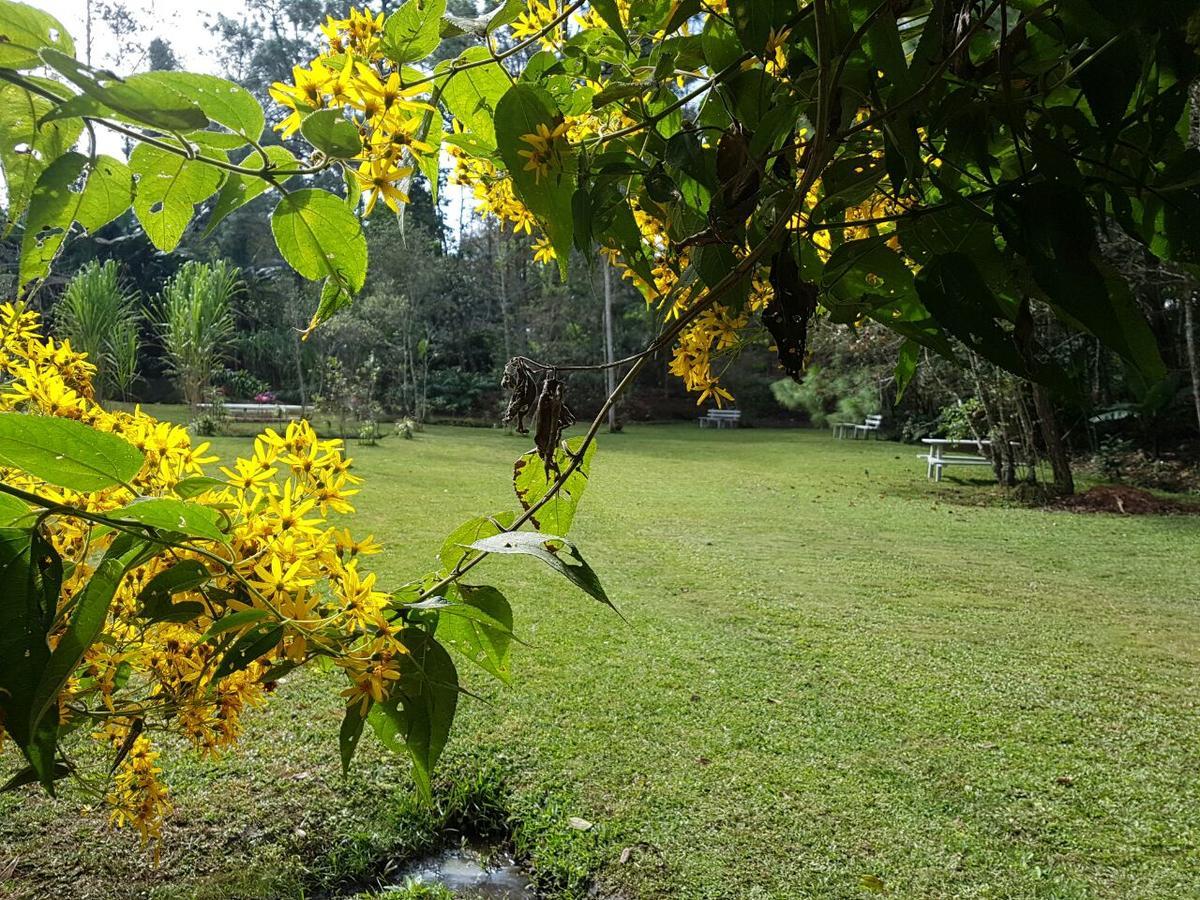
(831, 669)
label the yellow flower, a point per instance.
(776, 51)
(251, 475)
(305, 94)
(379, 178)
(543, 251)
(275, 580)
(545, 152)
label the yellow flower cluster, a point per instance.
(537, 19)
(282, 565)
(354, 76)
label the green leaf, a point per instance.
(320, 238)
(866, 273)
(168, 189)
(520, 111)
(413, 31)
(88, 615)
(25, 31)
(334, 297)
(349, 734)
(332, 133)
(754, 19)
(720, 44)
(155, 598)
(167, 514)
(480, 628)
(221, 100)
(473, 94)
(215, 140)
(428, 695)
(29, 775)
(557, 552)
(72, 189)
(482, 25)
(234, 621)
(238, 189)
(255, 642)
(456, 546)
(27, 605)
(12, 510)
(532, 482)
(608, 11)
(28, 145)
(67, 453)
(147, 97)
(1052, 226)
(906, 366)
(952, 289)
(197, 485)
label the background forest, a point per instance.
(452, 295)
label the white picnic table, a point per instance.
(937, 459)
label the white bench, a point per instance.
(721, 418)
(937, 459)
(259, 412)
(867, 426)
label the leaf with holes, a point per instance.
(67, 453)
(147, 98)
(532, 482)
(168, 189)
(413, 31)
(28, 145)
(221, 100)
(72, 189)
(25, 32)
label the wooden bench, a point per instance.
(868, 426)
(721, 418)
(258, 412)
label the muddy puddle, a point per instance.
(478, 872)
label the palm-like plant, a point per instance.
(100, 318)
(196, 323)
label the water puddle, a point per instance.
(480, 872)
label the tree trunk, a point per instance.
(501, 267)
(1189, 327)
(610, 377)
(300, 372)
(1056, 448)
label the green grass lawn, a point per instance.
(831, 669)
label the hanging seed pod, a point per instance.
(553, 416)
(519, 381)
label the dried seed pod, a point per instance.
(786, 316)
(553, 416)
(519, 381)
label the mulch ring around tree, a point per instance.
(1125, 500)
